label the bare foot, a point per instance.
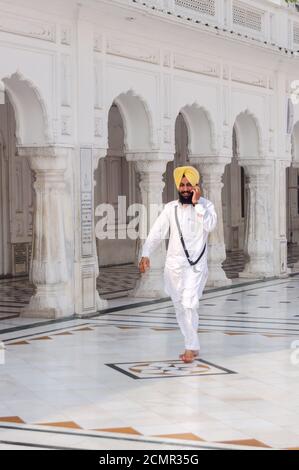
(187, 356)
(195, 353)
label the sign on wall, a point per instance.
(86, 202)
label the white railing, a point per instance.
(270, 21)
(248, 18)
(201, 7)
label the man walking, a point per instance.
(189, 219)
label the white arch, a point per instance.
(137, 121)
(201, 130)
(248, 133)
(32, 124)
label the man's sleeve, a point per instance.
(209, 215)
(157, 233)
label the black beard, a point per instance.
(185, 199)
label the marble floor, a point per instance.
(114, 381)
(116, 283)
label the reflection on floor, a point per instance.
(235, 261)
(115, 381)
(15, 294)
(114, 282)
(117, 281)
(293, 254)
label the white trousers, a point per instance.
(187, 319)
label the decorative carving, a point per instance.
(65, 80)
(225, 106)
(98, 127)
(167, 134)
(271, 114)
(205, 7)
(19, 186)
(244, 76)
(194, 64)
(65, 35)
(88, 290)
(296, 33)
(98, 43)
(247, 16)
(19, 228)
(226, 140)
(167, 59)
(139, 51)
(21, 257)
(27, 27)
(271, 143)
(260, 220)
(30, 224)
(98, 85)
(66, 125)
(52, 252)
(167, 99)
(225, 72)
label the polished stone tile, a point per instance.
(66, 379)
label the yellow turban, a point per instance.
(190, 172)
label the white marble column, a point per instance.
(52, 249)
(259, 225)
(211, 170)
(151, 168)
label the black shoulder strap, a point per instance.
(192, 263)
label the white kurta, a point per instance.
(181, 282)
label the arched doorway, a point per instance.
(234, 204)
(117, 186)
(26, 146)
(16, 199)
(195, 146)
(259, 177)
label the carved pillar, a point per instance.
(151, 185)
(52, 249)
(259, 227)
(211, 170)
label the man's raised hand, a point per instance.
(196, 194)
